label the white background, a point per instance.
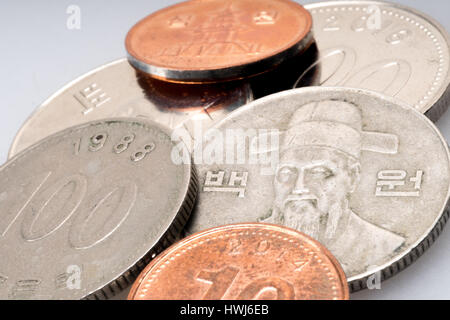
(39, 55)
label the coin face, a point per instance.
(362, 173)
(85, 209)
(243, 262)
(211, 40)
(115, 90)
(383, 47)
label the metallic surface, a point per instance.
(243, 262)
(211, 40)
(338, 187)
(26, 83)
(86, 209)
(384, 47)
(116, 90)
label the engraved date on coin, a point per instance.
(371, 23)
(395, 72)
(99, 140)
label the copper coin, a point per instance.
(212, 40)
(203, 98)
(243, 262)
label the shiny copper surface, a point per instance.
(243, 262)
(205, 40)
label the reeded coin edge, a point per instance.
(440, 106)
(359, 282)
(441, 101)
(170, 236)
(410, 258)
(242, 226)
(416, 250)
(438, 103)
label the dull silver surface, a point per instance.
(385, 47)
(115, 90)
(85, 206)
(364, 174)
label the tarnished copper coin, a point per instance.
(243, 262)
(213, 40)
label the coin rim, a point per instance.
(243, 226)
(13, 150)
(231, 72)
(440, 102)
(359, 281)
(167, 234)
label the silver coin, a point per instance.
(84, 210)
(116, 90)
(364, 174)
(383, 47)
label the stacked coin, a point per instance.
(209, 41)
(301, 194)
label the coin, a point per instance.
(243, 262)
(83, 211)
(211, 40)
(384, 47)
(361, 172)
(115, 90)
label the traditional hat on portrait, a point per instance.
(336, 125)
(332, 124)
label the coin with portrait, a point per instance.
(362, 173)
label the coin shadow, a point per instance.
(300, 68)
